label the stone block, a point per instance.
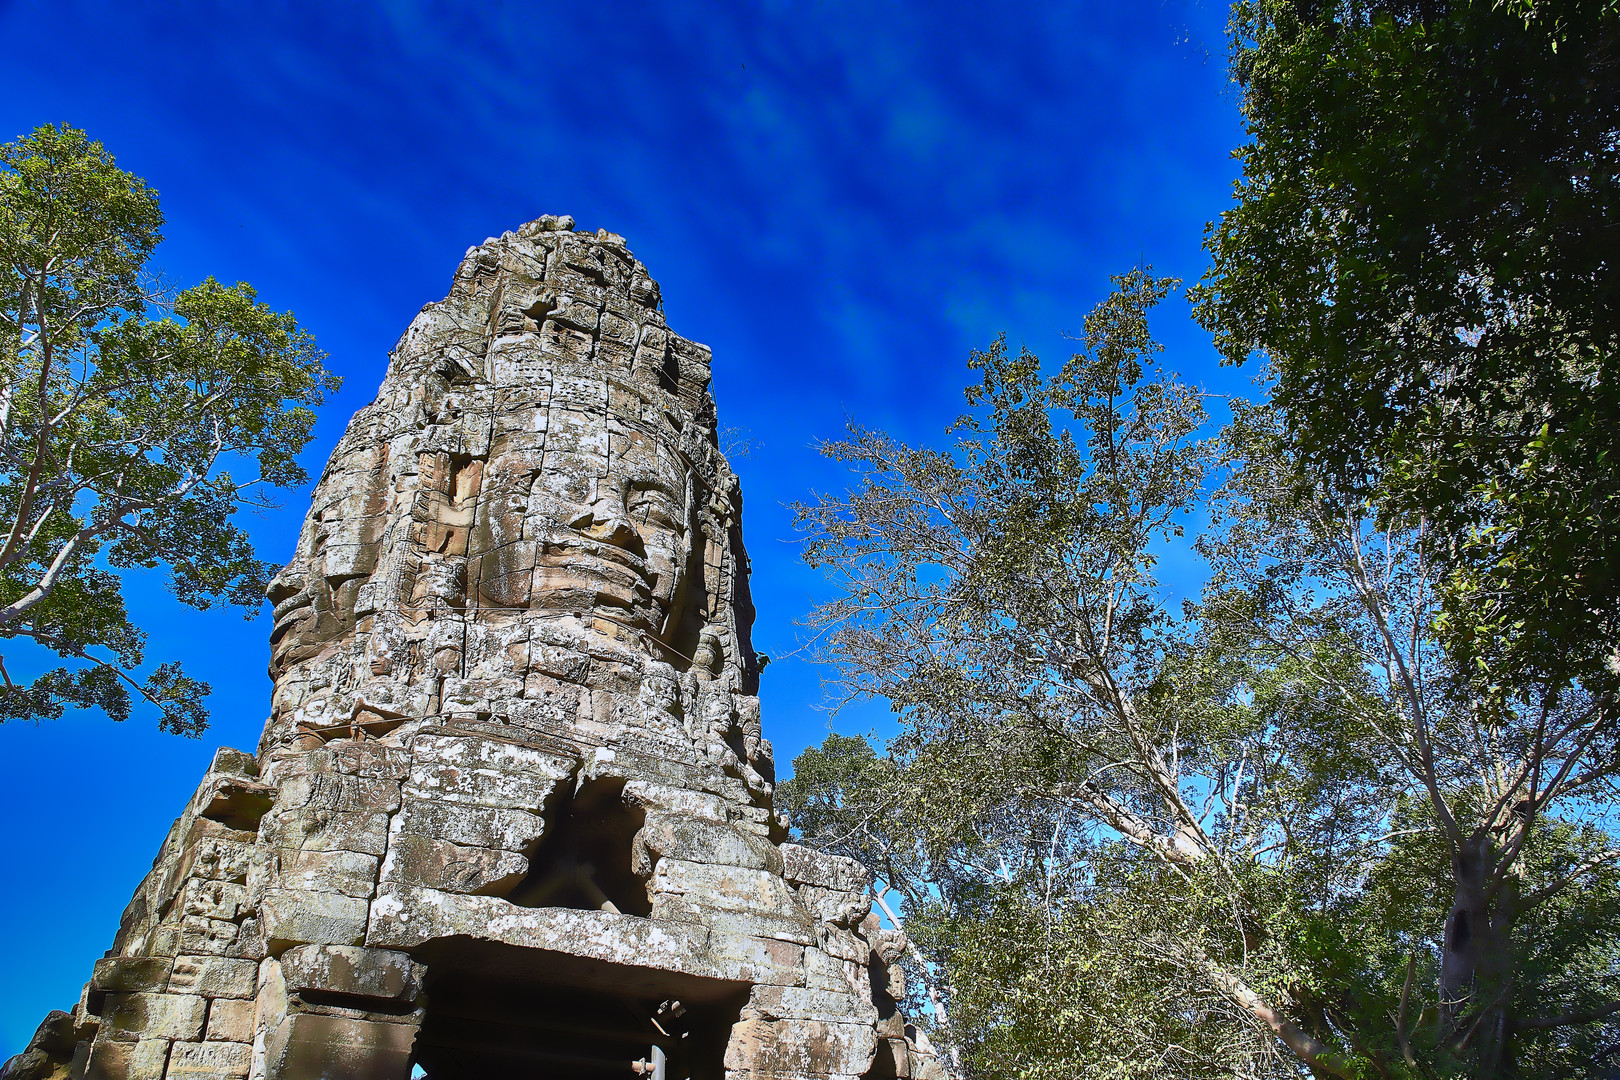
(512, 366)
(655, 794)
(566, 347)
(345, 756)
(234, 762)
(806, 866)
(566, 666)
(307, 1046)
(233, 801)
(271, 1003)
(579, 313)
(358, 972)
(480, 787)
(701, 840)
(230, 1020)
(471, 826)
(348, 872)
(618, 328)
(893, 1058)
(220, 859)
(927, 1067)
(132, 1017)
(824, 972)
(726, 888)
(893, 979)
(795, 927)
(313, 829)
(463, 752)
(213, 976)
(339, 791)
(31, 1064)
(370, 759)
(484, 772)
(162, 940)
(298, 917)
(209, 1060)
(888, 944)
(765, 961)
(844, 945)
(845, 909)
(803, 1003)
(130, 974)
(404, 917)
(546, 703)
(212, 899)
(55, 1040)
(801, 1047)
(200, 934)
(439, 864)
(614, 355)
(143, 1060)
(250, 940)
(707, 777)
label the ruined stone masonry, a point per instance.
(511, 813)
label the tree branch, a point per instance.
(1310, 1050)
(1586, 1016)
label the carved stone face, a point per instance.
(314, 596)
(609, 534)
(540, 460)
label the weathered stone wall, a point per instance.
(512, 806)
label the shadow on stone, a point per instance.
(585, 860)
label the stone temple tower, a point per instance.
(511, 813)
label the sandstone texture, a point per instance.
(511, 812)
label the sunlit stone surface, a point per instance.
(511, 813)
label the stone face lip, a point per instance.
(511, 812)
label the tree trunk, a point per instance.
(1475, 972)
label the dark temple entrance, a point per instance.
(498, 1022)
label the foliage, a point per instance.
(1003, 598)
(1422, 249)
(1037, 951)
(1229, 841)
(1507, 800)
(118, 429)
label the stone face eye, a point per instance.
(651, 506)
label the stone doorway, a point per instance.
(549, 1024)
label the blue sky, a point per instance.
(840, 198)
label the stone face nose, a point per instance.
(284, 586)
(605, 520)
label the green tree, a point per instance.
(1034, 950)
(1002, 597)
(1422, 250)
(119, 430)
(1281, 829)
(1495, 873)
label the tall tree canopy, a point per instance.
(134, 423)
(1351, 814)
(1283, 828)
(1423, 250)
